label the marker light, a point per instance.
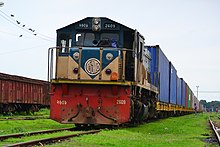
(75, 70)
(114, 76)
(108, 71)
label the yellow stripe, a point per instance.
(127, 83)
(171, 107)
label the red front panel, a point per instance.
(90, 104)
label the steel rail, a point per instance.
(23, 118)
(215, 130)
(51, 140)
(17, 135)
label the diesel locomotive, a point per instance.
(101, 72)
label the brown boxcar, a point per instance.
(22, 94)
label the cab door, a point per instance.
(138, 54)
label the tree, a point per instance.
(210, 105)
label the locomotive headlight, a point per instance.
(96, 24)
(96, 21)
(109, 56)
(76, 55)
(95, 27)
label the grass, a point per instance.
(42, 112)
(33, 137)
(189, 130)
(184, 131)
(19, 126)
(215, 117)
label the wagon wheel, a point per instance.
(8, 109)
(33, 108)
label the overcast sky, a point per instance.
(188, 32)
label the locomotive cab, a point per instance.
(103, 41)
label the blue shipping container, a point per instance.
(154, 66)
(172, 84)
(179, 102)
(183, 92)
(160, 72)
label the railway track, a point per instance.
(17, 135)
(216, 130)
(44, 141)
(50, 140)
(24, 118)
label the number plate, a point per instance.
(121, 102)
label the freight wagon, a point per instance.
(22, 94)
(175, 96)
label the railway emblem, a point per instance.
(92, 66)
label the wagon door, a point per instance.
(5, 92)
(10, 92)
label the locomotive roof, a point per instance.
(90, 18)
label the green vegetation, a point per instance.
(42, 112)
(18, 126)
(190, 130)
(33, 137)
(215, 117)
(210, 106)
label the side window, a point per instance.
(85, 39)
(65, 42)
(110, 36)
(79, 39)
(109, 39)
(89, 38)
(70, 42)
(63, 46)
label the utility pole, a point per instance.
(197, 91)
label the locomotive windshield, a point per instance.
(102, 40)
(85, 39)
